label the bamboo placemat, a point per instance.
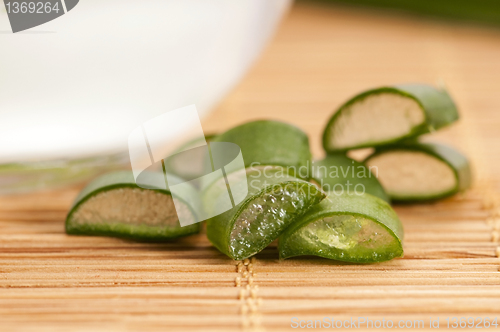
(320, 56)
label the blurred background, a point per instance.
(66, 109)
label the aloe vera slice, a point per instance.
(350, 228)
(339, 173)
(187, 162)
(266, 142)
(113, 205)
(388, 114)
(414, 171)
(274, 200)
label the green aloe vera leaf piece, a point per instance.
(274, 200)
(350, 228)
(337, 172)
(387, 115)
(266, 142)
(413, 171)
(187, 161)
(113, 205)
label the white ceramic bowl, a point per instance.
(76, 87)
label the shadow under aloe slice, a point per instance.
(274, 200)
(350, 228)
(113, 205)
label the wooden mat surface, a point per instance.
(320, 57)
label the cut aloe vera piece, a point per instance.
(413, 171)
(113, 205)
(187, 162)
(274, 200)
(341, 174)
(267, 142)
(388, 114)
(350, 228)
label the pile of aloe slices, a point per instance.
(336, 208)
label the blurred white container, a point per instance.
(72, 90)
